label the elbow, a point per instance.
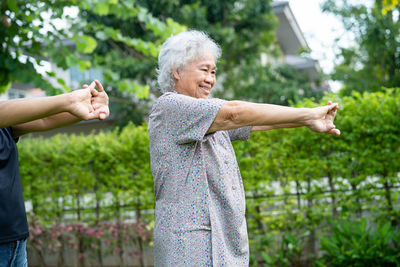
(233, 115)
(229, 117)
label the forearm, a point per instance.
(236, 114)
(18, 111)
(275, 126)
(45, 124)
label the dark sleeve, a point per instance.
(187, 119)
(242, 133)
(12, 134)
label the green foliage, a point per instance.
(358, 244)
(289, 253)
(244, 30)
(60, 172)
(29, 31)
(374, 59)
(298, 181)
(389, 5)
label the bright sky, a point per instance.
(320, 30)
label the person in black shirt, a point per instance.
(21, 116)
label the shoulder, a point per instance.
(165, 100)
(175, 103)
(172, 98)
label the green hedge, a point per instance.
(297, 182)
(113, 169)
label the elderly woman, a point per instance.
(200, 200)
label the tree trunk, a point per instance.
(358, 201)
(98, 241)
(139, 238)
(120, 232)
(81, 249)
(311, 240)
(298, 195)
(61, 260)
(333, 195)
(388, 196)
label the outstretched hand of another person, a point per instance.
(323, 119)
(100, 101)
(81, 103)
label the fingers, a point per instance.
(333, 106)
(102, 110)
(92, 115)
(334, 131)
(331, 129)
(332, 109)
(102, 116)
(92, 89)
(99, 86)
(99, 101)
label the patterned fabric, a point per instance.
(200, 203)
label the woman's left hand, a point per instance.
(324, 117)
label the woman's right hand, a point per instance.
(323, 119)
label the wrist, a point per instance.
(307, 116)
(60, 103)
(70, 101)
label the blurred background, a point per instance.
(312, 200)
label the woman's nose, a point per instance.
(210, 78)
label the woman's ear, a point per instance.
(176, 75)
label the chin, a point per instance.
(204, 94)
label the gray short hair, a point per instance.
(180, 49)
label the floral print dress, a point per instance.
(200, 202)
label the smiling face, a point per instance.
(197, 78)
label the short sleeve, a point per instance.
(12, 134)
(187, 119)
(242, 133)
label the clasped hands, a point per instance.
(89, 103)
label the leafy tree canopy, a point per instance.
(122, 38)
(374, 60)
(27, 38)
(244, 29)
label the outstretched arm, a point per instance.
(295, 125)
(45, 124)
(40, 114)
(236, 114)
